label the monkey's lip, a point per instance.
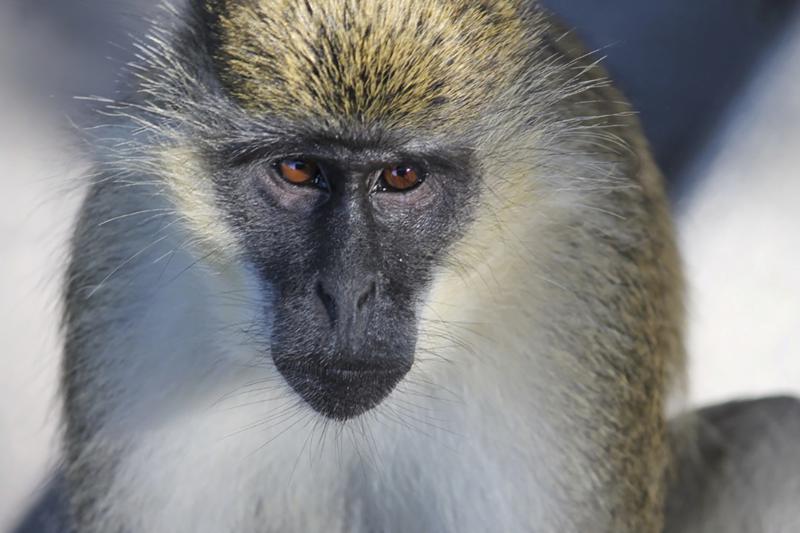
(352, 372)
(341, 391)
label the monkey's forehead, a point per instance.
(394, 62)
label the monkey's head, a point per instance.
(344, 146)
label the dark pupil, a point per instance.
(401, 171)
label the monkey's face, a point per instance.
(347, 239)
(366, 176)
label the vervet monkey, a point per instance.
(362, 266)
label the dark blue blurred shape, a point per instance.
(679, 61)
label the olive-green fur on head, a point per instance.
(368, 62)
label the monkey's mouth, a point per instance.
(341, 391)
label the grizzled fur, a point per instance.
(400, 64)
(548, 332)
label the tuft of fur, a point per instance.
(549, 340)
(398, 63)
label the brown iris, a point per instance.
(401, 177)
(299, 171)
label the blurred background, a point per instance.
(717, 84)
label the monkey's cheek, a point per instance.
(341, 394)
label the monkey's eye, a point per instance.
(300, 172)
(399, 178)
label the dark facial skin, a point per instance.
(347, 255)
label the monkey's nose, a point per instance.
(348, 304)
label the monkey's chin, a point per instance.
(341, 393)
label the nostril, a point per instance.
(366, 296)
(328, 302)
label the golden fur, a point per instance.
(346, 59)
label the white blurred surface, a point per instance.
(36, 212)
(740, 234)
(740, 237)
(33, 221)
